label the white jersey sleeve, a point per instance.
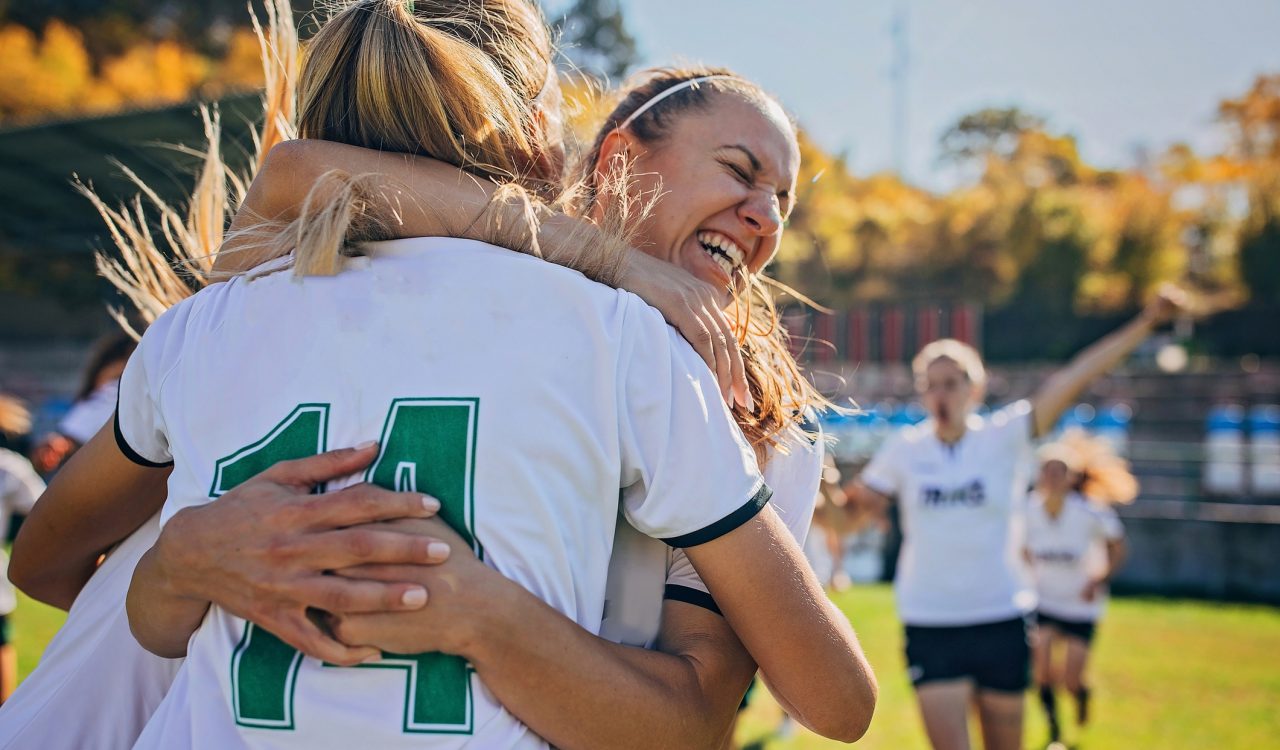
(139, 425)
(1107, 524)
(20, 485)
(794, 478)
(688, 474)
(1013, 425)
(89, 414)
(886, 471)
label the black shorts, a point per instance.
(1082, 629)
(995, 655)
(5, 627)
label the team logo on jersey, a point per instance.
(970, 495)
(1056, 556)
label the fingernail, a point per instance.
(437, 550)
(365, 445)
(430, 504)
(414, 597)
(751, 403)
(372, 659)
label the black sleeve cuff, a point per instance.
(128, 450)
(726, 524)
(692, 596)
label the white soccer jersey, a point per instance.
(644, 571)
(20, 487)
(95, 686)
(89, 414)
(960, 505)
(1067, 551)
(519, 393)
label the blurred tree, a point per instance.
(1260, 261)
(990, 132)
(1253, 124)
(54, 74)
(594, 35)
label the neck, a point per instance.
(1053, 502)
(950, 433)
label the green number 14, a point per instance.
(428, 446)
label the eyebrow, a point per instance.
(756, 166)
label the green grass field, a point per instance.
(1167, 674)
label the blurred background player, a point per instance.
(95, 401)
(1074, 545)
(20, 485)
(960, 479)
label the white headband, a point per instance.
(689, 84)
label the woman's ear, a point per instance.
(617, 144)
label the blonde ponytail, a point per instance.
(444, 81)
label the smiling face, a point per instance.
(726, 173)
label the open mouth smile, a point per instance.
(723, 250)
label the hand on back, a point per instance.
(265, 550)
(695, 309)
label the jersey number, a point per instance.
(427, 445)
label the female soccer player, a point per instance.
(95, 402)
(718, 239)
(1074, 544)
(20, 485)
(960, 480)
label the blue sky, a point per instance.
(1118, 74)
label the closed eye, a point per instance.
(738, 171)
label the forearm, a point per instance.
(1064, 386)
(580, 691)
(94, 502)
(161, 617)
(422, 197)
(803, 644)
(1116, 553)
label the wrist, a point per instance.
(492, 617)
(171, 560)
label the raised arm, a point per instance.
(1062, 388)
(431, 198)
(96, 500)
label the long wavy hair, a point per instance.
(1099, 474)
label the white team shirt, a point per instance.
(961, 514)
(89, 414)
(519, 393)
(20, 487)
(644, 571)
(95, 686)
(1067, 551)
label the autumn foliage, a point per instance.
(53, 75)
(1028, 225)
